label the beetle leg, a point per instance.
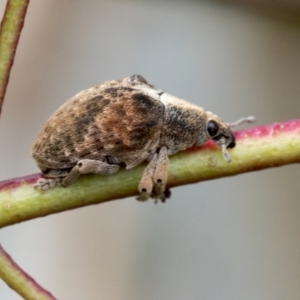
(146, 184)
(44, 184)
(160, 176)
(154, 179)
(88, 166)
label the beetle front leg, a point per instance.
(44, 184)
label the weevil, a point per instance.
(124, 123)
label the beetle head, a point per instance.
(221, 133)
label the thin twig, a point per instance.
(10, 30)
(20, 281)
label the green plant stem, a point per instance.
(10, 30)
(19, 281)
(257, 148)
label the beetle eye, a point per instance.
(212, 128)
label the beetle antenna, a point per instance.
(225, 153)
(250, 119)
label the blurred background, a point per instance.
(233, 238)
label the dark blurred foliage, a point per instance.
(286, 9)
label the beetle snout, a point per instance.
(232, 141)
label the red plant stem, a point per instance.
(10, 30)
(19, 280)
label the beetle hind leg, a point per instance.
(53, 178)
(44, 184)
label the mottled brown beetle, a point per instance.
(124, 122)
